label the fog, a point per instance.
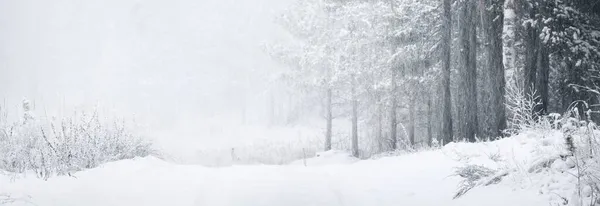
(164, 62)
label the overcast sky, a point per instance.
(153, 57)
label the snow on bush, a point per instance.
(519, 161)
(523, 113)
(558, 153)
(471, 174)
(582, 162)
(60, 147)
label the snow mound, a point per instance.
(528, 167)
(331, 157)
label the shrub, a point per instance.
(60, 147)
(583, 145)
(520, 107)
(476, 175)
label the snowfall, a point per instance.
(330, 178)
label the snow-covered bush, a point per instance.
(473, 175)
(60, 147)
(562, 150)
(573, 165)
(583, 144)
(521, 109)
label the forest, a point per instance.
(300, 102)
(416, 73)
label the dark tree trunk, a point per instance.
(446, 132)
(429, 120)
(537, 63)
(393, 140)
(542, 79)
(567, 93)
(354, 119)
(531, 55)
(328, 133)
(380, 127)
(411, 120)
(393, 118)
(494, 22)
(468, 38)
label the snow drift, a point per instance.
(332, 178)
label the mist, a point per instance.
(168, 64)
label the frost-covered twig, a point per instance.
(6, 199)
(476, 175)
(521, 107)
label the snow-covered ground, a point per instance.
(210, 142)
(333, 178)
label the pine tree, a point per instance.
(468, 70)
(493, 15)
(446, 95)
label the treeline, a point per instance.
(418, 72)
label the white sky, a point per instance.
(161, 59)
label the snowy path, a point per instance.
(416, 179)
